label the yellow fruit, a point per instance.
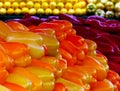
(52, 5)
(2, 11)
(56, 11)
(29, 4)
(10, 11)
(17, 11)
(71, 11)
(32, 11)
(77, 5)
(44, 5)
(22, 4)
(84, 11)
(83, 4)
(48, 11)
(25, 10)
(40, 11)
(63, 10)
(37, 5)
(68, 5)
(60, 5)
(78, 11)
(15, 5)
(7, 4)
(1, 4)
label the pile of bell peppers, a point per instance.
(101, 30)
(51, 57)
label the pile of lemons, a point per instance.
(48, 7)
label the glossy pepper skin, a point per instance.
(14, 87)
(36, 82)
(70, 85)
(16, 26)
(45, 75)
(4, 29)
(34, 42)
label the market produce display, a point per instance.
(105, 8)
(56, 59)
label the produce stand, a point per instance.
(59, 45)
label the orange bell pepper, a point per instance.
(15, 49)
(14, 87)
(69, 46)
(3, 74)
(16, 26)
(88, 69)
(38, 63)
(104, 85)
(102, 59)
(23, 61)
(60, 87)
(66, 55)
(4, 29)
(78, 77)
(36, 82)
(6, 60)
(93, 63)
(62, 63)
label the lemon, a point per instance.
(52, 5)
(1, 4)
(32, 11)
(10, 11)
(83, 3)
(25, 10)
(84, 11)
(22, 4)
(71, 11)
(63, 10)
(15, 5)
(40, 11)
(2, 11)
(37, 5)
(60, 5)
(78, 11)
(44, 5)
(17, 11)
(48, 11)
(77, 5)
(56, 11)
(7, 4)
(29, 4)
(68, 5)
